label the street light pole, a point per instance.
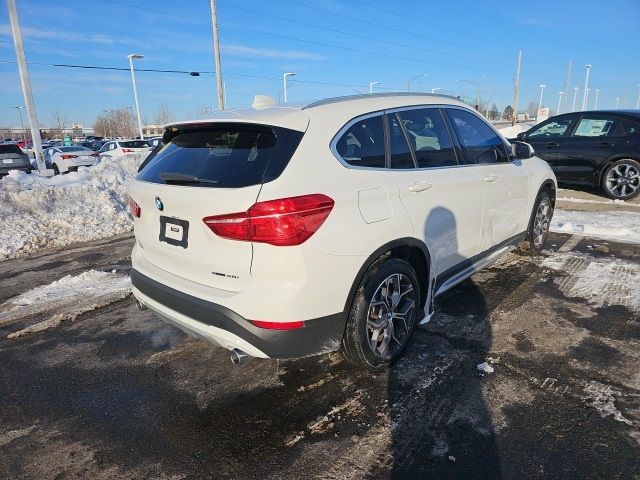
(284, 81)
(26, 86)
(585, 95)
(434, 90)
(371, 85)
(559, 102)
(22, 135)
(106, 119)
(595, 105)
(411, 80)
(638, 100)
(575, 97)
(132, 57)
(617, 102)
(542, 87)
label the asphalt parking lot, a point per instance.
(116, 393)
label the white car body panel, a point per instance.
(453, 210)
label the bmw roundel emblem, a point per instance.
(159, 204)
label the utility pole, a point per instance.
(515, 88)
(284, 81)
(26, 87)
(566, 86)
(585, 95)
(216, 53)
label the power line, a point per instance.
(387, 27)
(236, 27)
(355, 35)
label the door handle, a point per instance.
(420, 186)
(552, 145)
(491, 178)
(604, 145)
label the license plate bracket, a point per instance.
(174, 231)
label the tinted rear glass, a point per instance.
(134, 144)
(10, 149)
(77, 148)
(234, 155)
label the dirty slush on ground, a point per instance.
(118, 394)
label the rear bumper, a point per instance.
(220, 325)
(23, 168)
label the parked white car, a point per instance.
(120, 148)
(68, 159)
(290, 231)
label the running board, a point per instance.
(471, 269)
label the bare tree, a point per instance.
(163, 115)
(532, 109)
(61, 122)
(114, 123)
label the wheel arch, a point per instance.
(611, 160)
(410, 249)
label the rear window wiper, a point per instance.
(185, 178)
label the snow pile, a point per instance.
(64, 299)
(485, 367)
(602, 281)
(617, 226)
(596, 202)
(601, 397)
(89, 204)
(512, 131)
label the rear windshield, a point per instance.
(231, 155)
(134, 144)
(10, 149)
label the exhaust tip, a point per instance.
(238, 357)
(140, 306)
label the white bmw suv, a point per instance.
(293, 230)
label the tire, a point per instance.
(375, 343)
(538, 225)
(621, 180)
(56, 170)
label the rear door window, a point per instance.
(594, 127)
(134, 144)
(480, 143)
(362, 144)
(429, 137)
(223, 156)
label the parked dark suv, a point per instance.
(600, 148)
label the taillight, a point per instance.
(96, 154)
(282, 222)
(278, 325)
(134, 208)
(67, 157)
(127, 150)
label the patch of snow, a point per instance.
(601, 397)
(38, 212)
(602, 281)
(485, 367)
(64, 299)
(512, 131)
(602, 202)
(617, 226)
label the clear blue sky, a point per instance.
(446, 41)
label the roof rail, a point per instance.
(328, 101)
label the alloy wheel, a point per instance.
(391, 315)
(541, 222)
(623, 180)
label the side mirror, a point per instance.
(520, 136)
(522, 150)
